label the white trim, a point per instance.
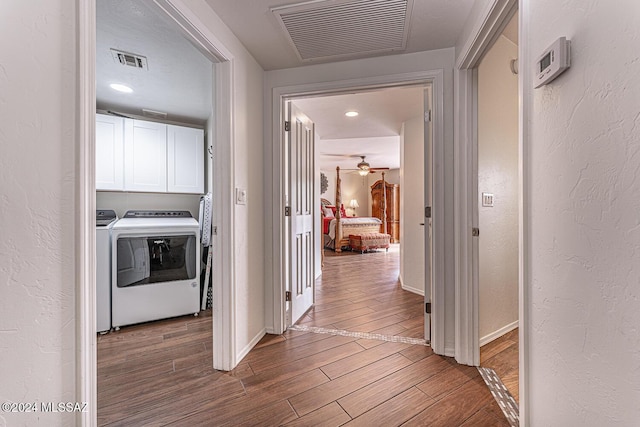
(498, 14)
(247, 348)
(525, 94)
(498, 333)
(279, 95)
(224, 305)
(206, 42)
(486, 32)
(409, 288)
(86, 354)
(466, 293)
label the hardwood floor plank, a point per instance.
(284, 372)
(417, 352)
(331, 415)
(376, 393)
(237, 410)
(484, 418)
(298, 353)
(349, 364)
(394, 411)
(447, 381)
(455, 408)
(317, 397)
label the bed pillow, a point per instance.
(328, 213)
(343, 212)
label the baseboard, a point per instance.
(409, 288)
(497, 334)
(249, 346)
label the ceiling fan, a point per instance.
(364, 168)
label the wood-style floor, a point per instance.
(501, 355)
(160, 373)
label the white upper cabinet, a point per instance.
(185, 160)
(109, 152)
(137, 155)
(145, 156)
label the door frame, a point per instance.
(278, 102)
(467, 343)
(223, 319)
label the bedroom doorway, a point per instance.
(413, 173)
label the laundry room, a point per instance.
(154, 94)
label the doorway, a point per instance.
(498, 196)
(415, 205)
(222, 319)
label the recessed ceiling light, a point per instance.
(351, 113)
(121, 88)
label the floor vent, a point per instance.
(345, 28)
(129, 59)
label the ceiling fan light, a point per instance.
(363, 172)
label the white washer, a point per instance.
(105, 220)
(155, 272)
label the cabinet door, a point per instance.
(145, 165)
(185, 160)
(109, 152)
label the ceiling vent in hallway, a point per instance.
(129, 59)
(324, 29)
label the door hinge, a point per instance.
(287, 296)
(427, 116)
(287, 126)
(427, 212)
(427, 307)
(475, 231)
(287, 211)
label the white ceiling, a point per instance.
(179, 79)
(374, 133)
(433, 24)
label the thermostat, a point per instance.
(553, 62)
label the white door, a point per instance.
(301, 204)
(428, 192)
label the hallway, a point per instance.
(160, 373)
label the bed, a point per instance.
(337, 226)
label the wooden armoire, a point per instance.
(392, 192)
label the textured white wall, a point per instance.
(37, 207)
(412, 261)
(498, 174)
(583, 202)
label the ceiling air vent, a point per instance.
(129, 59)
(326, 29)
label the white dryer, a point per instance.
(155, 272)
(105, 219)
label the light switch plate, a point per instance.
(241, 196)
(487, 200)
